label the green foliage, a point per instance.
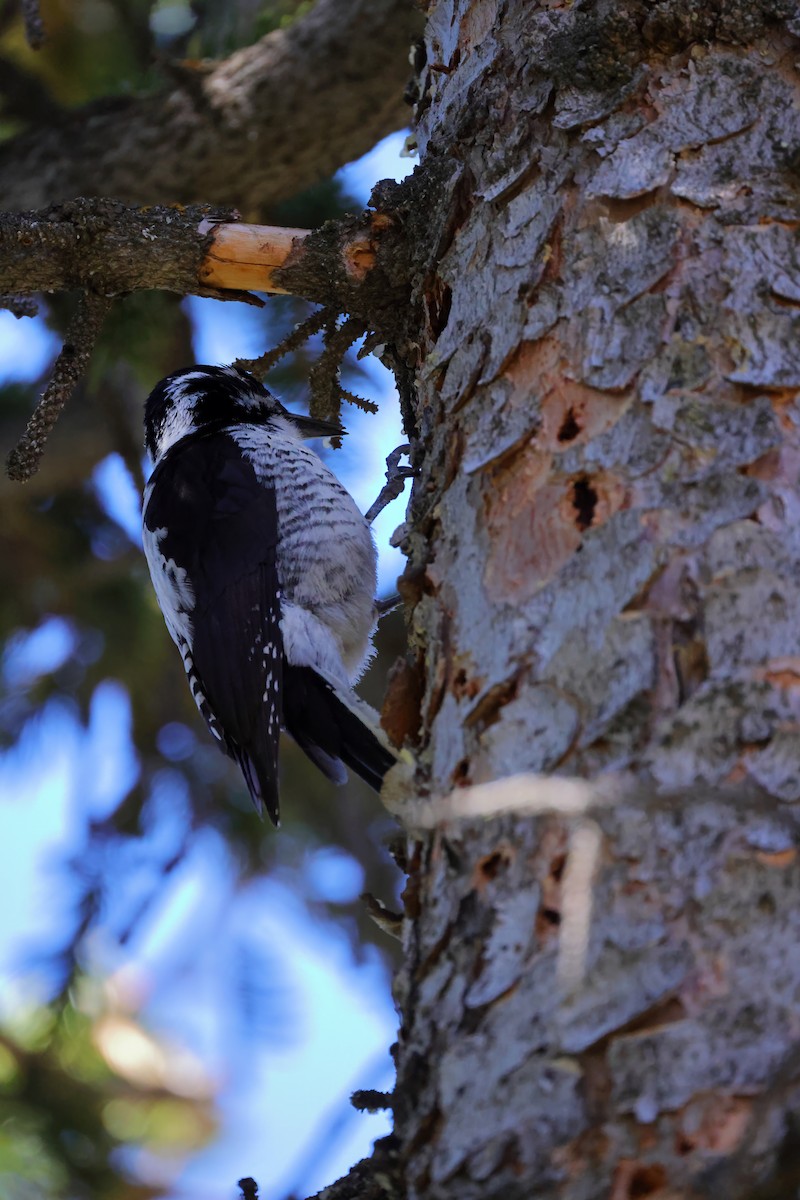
(224, 27)
(77, 1083)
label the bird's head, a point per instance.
(199, 398)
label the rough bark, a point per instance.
(604, 559)
(105, 247)
(262, 125)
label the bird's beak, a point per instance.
(310, 427)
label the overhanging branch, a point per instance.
(111, 249)
(266, 123)
(105, 249)
(358, 265)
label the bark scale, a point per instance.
(604, 560)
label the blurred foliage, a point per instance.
(78, 1083)
(223, 27)
(102, 50)
(64, 1110)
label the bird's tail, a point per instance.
(334, 727)
(261, 776)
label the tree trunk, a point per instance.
(604, 553)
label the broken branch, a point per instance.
(245, 256)
(109, 247)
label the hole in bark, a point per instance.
(491, 866)
(557, 866)
(766, 904)
(440, 302)
(569, 427)
(584, 501)
(461, 773)
(463, 687)
(683, 1144)
(548, 918)
(450, 853)
(646, 1180)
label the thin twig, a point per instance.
(69, 367)
(306, 329)
(396, 477)
(388, 604)
(358, 401)
(371, 1100)
(34, 27)
(324, 375)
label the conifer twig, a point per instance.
(324, 375)
(34, 27)
(358, 401)
(301, 332)
(68, 369)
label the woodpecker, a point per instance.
(264, 570)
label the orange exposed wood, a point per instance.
(777, 858)
(243, 257)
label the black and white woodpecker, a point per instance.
(264, 570)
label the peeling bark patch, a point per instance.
(537, 399)
(477, 24)
(779, 859)
(401, 715)
(762, 333)
(529, 546)
(713, 1124)
(487, 711)
(535, 520)
(584, 501)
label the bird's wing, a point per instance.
(210, 524)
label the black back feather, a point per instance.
(221, 526)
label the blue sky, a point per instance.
(279, 1099)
